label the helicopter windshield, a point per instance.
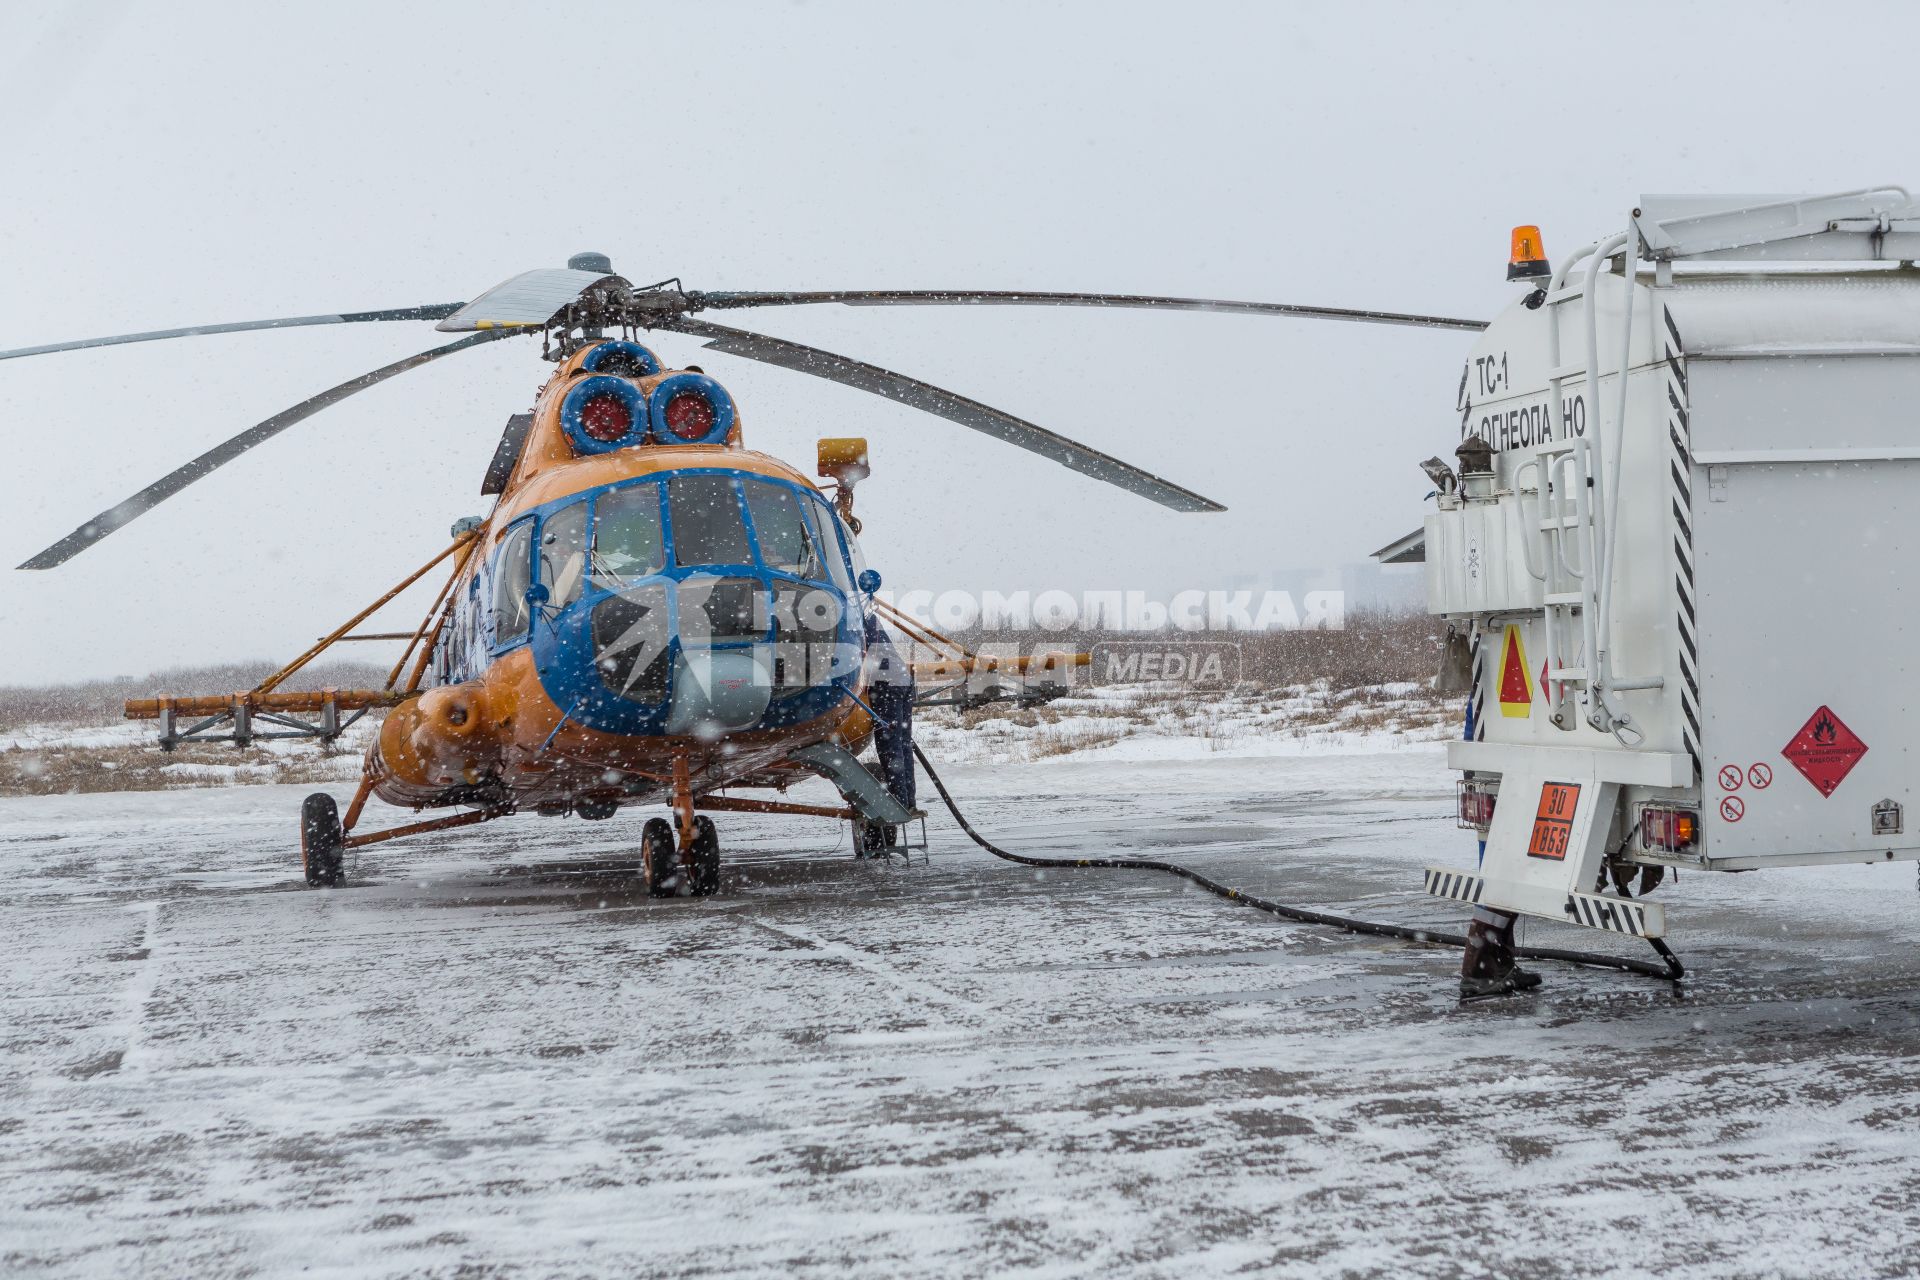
(515, 572)
(758, 567)
(627, 540)
(709, 521)
(786, 544)
(707, 525)
(563, 553)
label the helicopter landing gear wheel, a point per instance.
(703, 857)
(659, 859)
(323, 843)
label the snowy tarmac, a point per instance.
(492, 1055)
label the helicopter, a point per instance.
(652, 611)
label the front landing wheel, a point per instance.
(659, 859)
(323, 843)
(705, 857)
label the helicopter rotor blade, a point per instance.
(174, 481)
(942, 403)
(1013, 298)
(433, 311)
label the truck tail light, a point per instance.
(1476, 806)
(1669, 829)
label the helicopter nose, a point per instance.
(718, 690)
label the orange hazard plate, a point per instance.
(1553, 823)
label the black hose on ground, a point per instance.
(1672, 970)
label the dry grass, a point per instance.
(58, 770)
(1373, 678)
(1376, 647)
(55, 768)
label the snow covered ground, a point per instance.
(491, 1055)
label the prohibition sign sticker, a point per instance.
(1761, 776)
(1733, 808)
(1730, 777)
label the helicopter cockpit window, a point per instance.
(806, 623)
(836, 563)
(721, 610)
(627, 543)
(513, 574)
(563, 554)
(707, 526)
(632, 642)
(854, 553)
(786, 544)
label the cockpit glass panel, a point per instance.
(707, 525)
(854, 553)
(806, 632)
(626, 536)
(563, 554)
(836, 563)
(786, 544)
(512, 576)
(631, 642)
(722, 610)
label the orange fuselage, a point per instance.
(622, 552)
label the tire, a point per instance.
(706, 857)
(659, 859)
(322, 841)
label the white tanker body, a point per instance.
(1689, 640)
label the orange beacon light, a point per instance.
(1528, 261)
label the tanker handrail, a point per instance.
(1598, 630)
(1530, 526)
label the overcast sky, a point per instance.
(176, 164)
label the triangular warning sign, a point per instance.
(1516, 686)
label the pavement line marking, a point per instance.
(140, 990)
(872, 964)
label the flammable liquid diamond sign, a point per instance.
(1825, 750)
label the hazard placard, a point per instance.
(1516, 683)
(1553, 821)
(1824, 751)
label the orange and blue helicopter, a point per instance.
(651, 612)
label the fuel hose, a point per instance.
(1671, 970)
